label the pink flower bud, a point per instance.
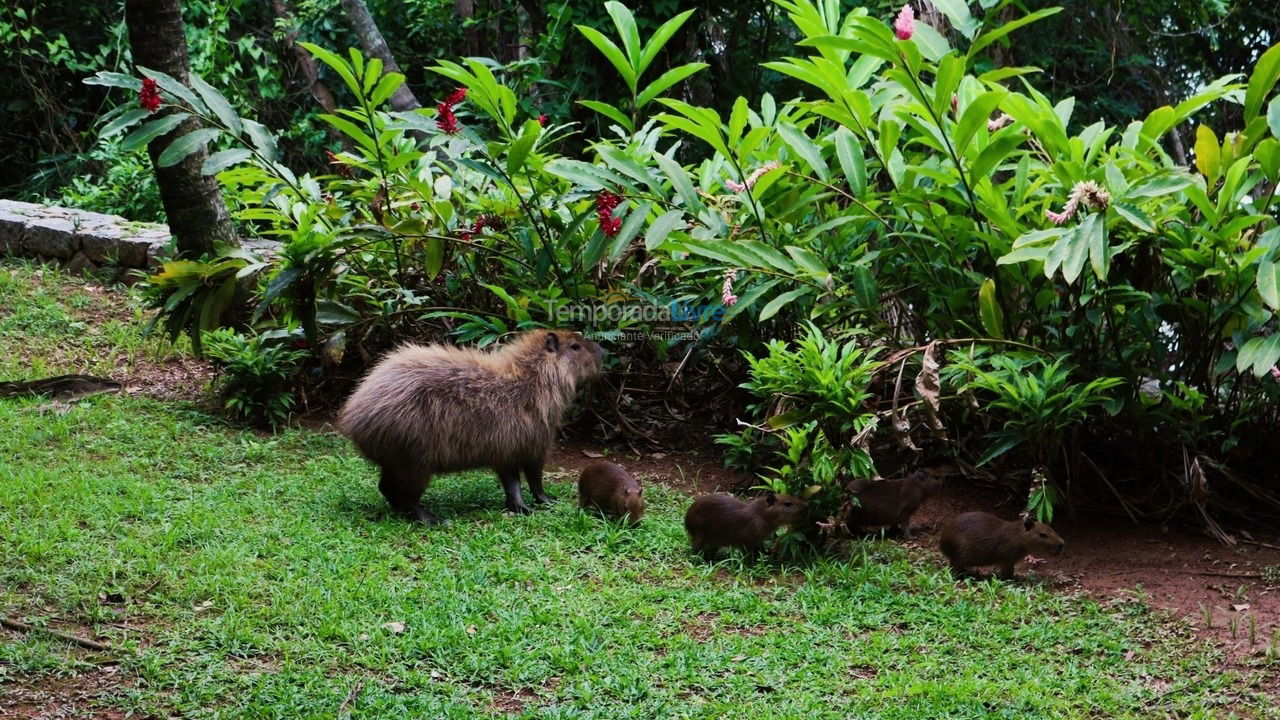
(905, 24)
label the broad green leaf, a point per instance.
(1208, 153)
(957, 11)
(749, 298)
(218, 104)
(660, 38)
(987, 38)
(1273, 116)
(779, 302)
(224, 159)
(804, 147)
(865, 287)
(1094, 231)
(152, 130)
(179, 149)
(610, 112)
(630, 229)
(989, 310)
(386, 87)
(1265, 74)
(662, 227)
(1158, 122)
(950, 70)
(336, 63)
(931, 43)
(626, 24)
(852, 161)
(1260, 353)
(680, 181)
(1159, 184)
(975, 115)
(114, 79)
(262, 139)
(522, 145)
(123, 121)
(666, 80)
(995, 153)
(1135, 216)
(611, 53)
(1269, 283)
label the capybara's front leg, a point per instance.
(511, 486)
(533, 473)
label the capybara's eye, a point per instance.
(1043, 535)
(575, 346)
(787, 504)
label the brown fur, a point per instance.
(890, 502)
(978, 539)
(429, 409)
(718, 521)
(609, 488)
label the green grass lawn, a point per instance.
(243, 575)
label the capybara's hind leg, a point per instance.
(403, 489)
(533, 473)
(510, 478)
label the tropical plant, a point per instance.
(254, 374)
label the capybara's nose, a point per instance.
(1061, 546)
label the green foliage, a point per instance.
(811, 413)
(1030, 399)
(254, 374)
(913, 193)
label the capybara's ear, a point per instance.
(770, 499)
(553, 342)
(1029, 523)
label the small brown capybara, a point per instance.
(890, 502)
(719, 521)
(609, 488)
(978, 539)
(432, 409)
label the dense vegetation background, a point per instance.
(1054, 221)
(1119, 59)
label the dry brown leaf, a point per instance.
(929, 388)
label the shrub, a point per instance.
(254, 375)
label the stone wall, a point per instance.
(85, 242)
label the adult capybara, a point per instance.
(890, 502)
(612, 490)
(717, 521)
(978, 539)
(428, 409)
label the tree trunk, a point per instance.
(371, 40)
(192, 200)
(319, 91)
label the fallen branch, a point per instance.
(343, 709)
(76, 639)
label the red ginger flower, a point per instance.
(605, 203)
(456, 96)
(445, 119)
(542, 119)
(904, 26)
(149, 96)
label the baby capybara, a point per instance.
(890, 502)
(978, 539)
(428, 409)
(609, 488)
(718, 521)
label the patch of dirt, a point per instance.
(82, 695)
(1212, 586)
(693, 472)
